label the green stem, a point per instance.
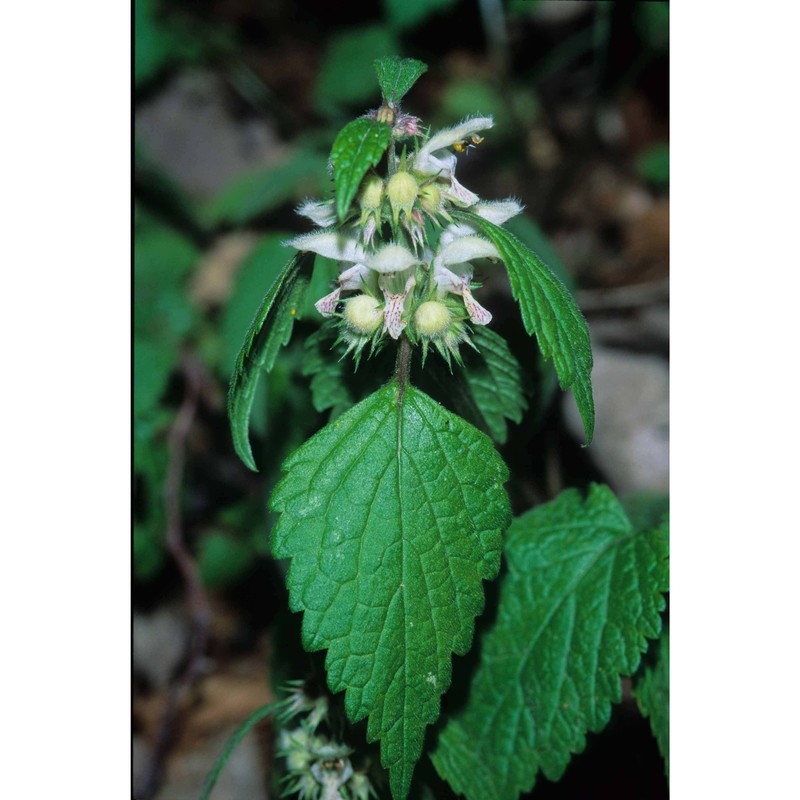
(402, 368)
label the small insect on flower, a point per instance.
(464, 145)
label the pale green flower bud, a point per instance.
(432, 318)
(402, 191)
(371, 194)
(363, 314)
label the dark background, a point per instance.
(236, 104)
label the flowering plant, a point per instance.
(395, 513)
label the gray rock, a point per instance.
(159, 642)
(631, 440)
(188, 131)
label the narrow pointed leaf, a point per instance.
(582, 593)
(397, 75)
(495, 381)
(392, 515)
(549, 313)
(652, 695)
(270, 330)
(359, 146)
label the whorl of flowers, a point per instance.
(405, 260)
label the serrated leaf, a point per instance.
(652, 695)
(359, 146)
(549, 313)
(328, 387)
(582, 593)
(392, 516)
(270, 330)
(397, 75)
(495, 381)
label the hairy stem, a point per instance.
(402, 367)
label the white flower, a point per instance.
(452, 270)
(434, 159)
(497, 211)
(320, 213)
(393, 266)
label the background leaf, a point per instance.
(397, 75)
(582, 592)
(392, 516)
(495, 380)
(549, 312)
(270, 330)
(256, 193)
(359, 146)
(652, 695)
(346, 77)
(408, 13)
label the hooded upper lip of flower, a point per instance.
(433, 158)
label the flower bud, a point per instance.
(371, 193)
(432, 318)
(363, 314)
(402, 191)
(430, 197)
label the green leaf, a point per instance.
(653, 165)
(270, 330)
(549, 312)
(257, 716)
(345, 77)
(328, 387)
(582, 593)
(408, 13)
(260, 269)
(152, 366)
(652, 695)
(392, 516)
(251, 195)
(359, 146)
(397, 75)
(495, 380)
(223, 559)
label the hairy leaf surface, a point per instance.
(270, 330)
(495, 380)
(397, 75)
(549, 313)
(652, 695)
(392, 515)
(359, 146)
(582, 593)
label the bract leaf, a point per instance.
(582, 593)
(359, 146)
(397, 75)
(270, 330)
(549, 313)
(392, 515)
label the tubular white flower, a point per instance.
(391, 258)
(465, 248)
(428, 163)
(395, 303)
(434, 159)
(329, 244)
(320, 213)
(498, 212)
